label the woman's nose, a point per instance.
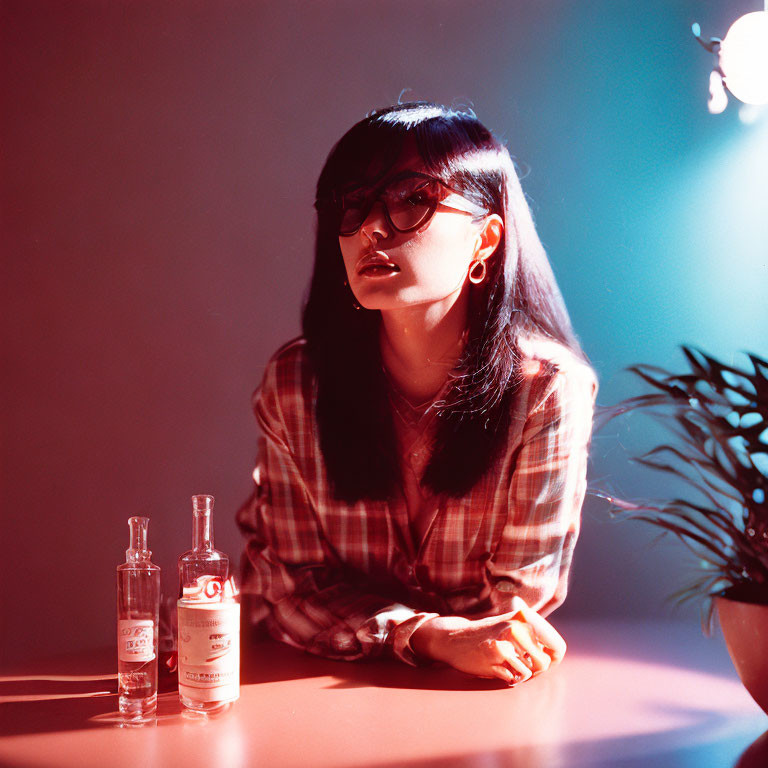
(375, 221)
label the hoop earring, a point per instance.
(472, 277)
(354, 302)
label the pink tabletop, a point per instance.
(626, 694)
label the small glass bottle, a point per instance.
(138, 609)
(208, 620)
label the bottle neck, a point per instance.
(202, 530)
(137, 550)
(140, 556)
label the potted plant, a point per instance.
(719, 417)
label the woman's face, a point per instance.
(433, 260)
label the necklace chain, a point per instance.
(415, 413)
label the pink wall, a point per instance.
(159, 161)
(140, 295)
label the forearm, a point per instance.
(425, 641)
(323, 612)
(375, 627)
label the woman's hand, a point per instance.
(512, 646)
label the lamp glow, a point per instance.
(744, 58)
(718, 98)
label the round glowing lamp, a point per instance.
(744, 58)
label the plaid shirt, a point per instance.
(348, 581)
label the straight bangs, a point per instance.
(361, 156)
(455, 148)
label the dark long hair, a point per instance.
(518, 296)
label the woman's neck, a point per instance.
(420, 345)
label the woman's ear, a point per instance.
(489, 237)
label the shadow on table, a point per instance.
(267, 661)
(68, 693)
(690, 746)
(680, 645)
(80, 691)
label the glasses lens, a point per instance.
(353, 210)
(409, 201)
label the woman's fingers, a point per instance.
(546, 634)
(515, 629)
(509, 657)
(500, 671)
(522, 635)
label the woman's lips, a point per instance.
(377, 262)
(378, 270)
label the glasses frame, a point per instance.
(374, 195)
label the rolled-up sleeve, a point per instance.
(546, 493)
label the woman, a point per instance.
(423, 460)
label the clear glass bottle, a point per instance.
(208, 620)
(138, 609)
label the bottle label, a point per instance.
(209, 651)
(135, 639)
